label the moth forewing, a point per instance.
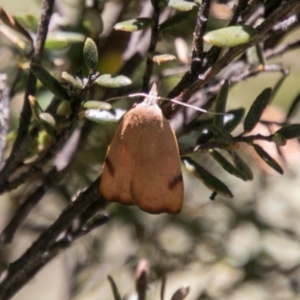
(142, 165)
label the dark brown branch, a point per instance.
(187, 90)
(153, 42)
(201, 24)
(227, 145)
(239, 9)
(19, 151)
(26, 207)
(4, 118)
(48, 244)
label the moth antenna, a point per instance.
(191, 106)
(127, 96)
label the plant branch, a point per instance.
(52, 241)
(183, 91)
(201, 24)
(153, 42)
(19, 151)
(4, 118)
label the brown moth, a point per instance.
(142, 165)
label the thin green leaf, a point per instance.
(134, 24)
(233, 118)
(293, 108)
(268, 159)
(49, 82)
(260, 54)
(221, 104)
(181, 5)
(111, 81)
(177, 19)
(278, 139)
(278, 85)
(226, 165)
(75, 81)
(230, 36)
(221, 134)
(289, 132)
(205, 136)
(11, 22)
(114, 288)
(35, 107)
(27, 20)
(161, 58)
(48, 123)
(48, 118)
(103, 116)
(241, 165)
(57, 40)
(210, 181)
(256, 109)
(90, 54)
(94, 104)
(181, 293)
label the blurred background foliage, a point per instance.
(245, 248)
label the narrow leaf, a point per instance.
(48, 123)
(35, 107)
(75, 81)
(293, 108)
(48, 118)
(279, 84)
(114, 288)
(221, 134)
(177, 19)
(90, 54)
(161, 58)
(181, 293)
(103, 116)
(49, 82)
(226, 165)
(268, 159)
(134, 24)
(27, 20)
(111, 81)
(205, 136)
(94, 104)
(241, 165)
(182, 5)
(221, 104)
(230, 36)
(278, 139)
(289, 132)
(11, 22)
(210, 181)
(256, 109)
(232, 118)
(57, 40)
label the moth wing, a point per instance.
(142, 165)
(118, 166)
(157, 184)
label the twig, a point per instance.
(26, 207)
(4, 117)
(226, 145)
(47, 245)
(239, 9)
(281, 49)
(154, 39)
(19, 151)
(201, 24)
(186, 91)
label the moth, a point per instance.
(142, 165)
